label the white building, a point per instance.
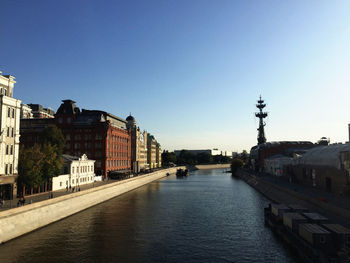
(9, 136)
(26, 112)
(75, 172)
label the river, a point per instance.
(206, 217)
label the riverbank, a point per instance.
(211, 166)
(21, 220)
(280, 194)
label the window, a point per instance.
(60, 120)
(8, 131)
(9, 112)
(10, 168)
(7, 149)
(6, 169)
(73, 181)
(69, 120)
(11, 149)
(322, 239)
(66, 182)
(12, 132)
(13, 113)
(77, 137)
(67, 137)
(73, 170)
(60, 183)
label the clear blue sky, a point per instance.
(189, 71)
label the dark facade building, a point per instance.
(324, 167)
(287, 148)
(100, 135)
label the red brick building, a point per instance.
(100, 135)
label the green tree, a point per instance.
(53, 135)
(204, 158)
(30, 166)
(168, 157)
(52, 162)
(244, 156)
(235, 165)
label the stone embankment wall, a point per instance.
(212, 166)
(280, 194)
(21, 220)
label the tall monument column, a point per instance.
(261, 115)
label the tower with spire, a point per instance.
(261, 115)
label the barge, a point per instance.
(312, 236)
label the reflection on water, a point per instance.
(206, 217)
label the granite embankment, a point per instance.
(21, 220)
(280, 194)
(211, 166)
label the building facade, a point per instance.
(151, 151)
(76, 171)
(100, 135)
(138, 146)
(26, 112)
(9, 136)
(324, 167)
(39, 112)
(158, 155)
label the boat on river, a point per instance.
(181, 172)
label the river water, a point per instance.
(206, 217)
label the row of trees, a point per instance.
(189, 158)
(239, 161)
(37, 164)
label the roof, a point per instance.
(315, 216)
(294, 216)
(336, 228)
(130, 118)
(324, 155)
(314, 228)
(67, 157)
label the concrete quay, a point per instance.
(211, 166)
(22, 220)
(298, 194)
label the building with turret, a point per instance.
(9, 136)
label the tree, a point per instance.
(30, 166)
(53, 135)
(204, 157)
(39, 163)
(52, 162)
(235, 165)
(186, 157)
(168, 157)
(244, 156)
